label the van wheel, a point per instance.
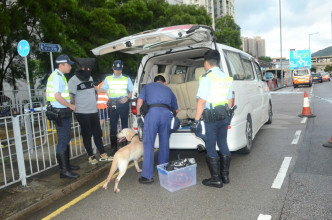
(295, 86)
(270, 114)
(247, 148)
(310, 84)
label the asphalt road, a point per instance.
(252, 193)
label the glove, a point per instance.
(194, 125)
(140, 121)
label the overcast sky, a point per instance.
(299, 18)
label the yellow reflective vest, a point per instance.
(219, 89)
(117, 87)
(50, 95)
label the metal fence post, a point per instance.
(19, 150)
(28, 131)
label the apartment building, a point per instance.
(254, 46)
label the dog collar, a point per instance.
(133, 137)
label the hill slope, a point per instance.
(324, 52)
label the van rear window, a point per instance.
(301, 72)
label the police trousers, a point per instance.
(157, 120)
(216, 133)
(63, 133)
(121, 110)
(90, 126)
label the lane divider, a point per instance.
(296, 137)
(84, 195)
(278, 181)
(304, 120)
(264, 217)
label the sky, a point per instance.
(299, 18)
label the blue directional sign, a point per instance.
(45, 47)
(23, 48)
(300, 59)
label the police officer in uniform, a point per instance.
(160, 100)
(119, 89)
(215, 95)
(58, 94)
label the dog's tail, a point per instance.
(114, 167)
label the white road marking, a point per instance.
(264, 217)
(326, 100)
(277, 183)
(304, 120)
(285, 93)
(296, 137)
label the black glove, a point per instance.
(140, 121)
(194, 125)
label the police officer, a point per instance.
(215, 95)
(160, 100)
(58, 95)
(119, 89)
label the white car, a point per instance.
(177, 53)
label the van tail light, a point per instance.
(133, 106)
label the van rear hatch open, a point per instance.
(160, 39)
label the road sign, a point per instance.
(300, 59)
(23, 48)
(45, 47)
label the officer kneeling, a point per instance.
(215, 95)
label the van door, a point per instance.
(264, 90)
(160, 39)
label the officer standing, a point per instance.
(58, 95)
(160, 100)
(215, 95)
(119, 89)
(83, 94)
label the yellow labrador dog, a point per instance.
(132, 151)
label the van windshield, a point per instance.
(300, 72)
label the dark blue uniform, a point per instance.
(157, 120)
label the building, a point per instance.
(216, 8)
(254, 46)
(318, 64)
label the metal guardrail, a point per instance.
(28, 145)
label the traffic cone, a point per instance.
(306, 112)
(328, 144)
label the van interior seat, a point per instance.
(175, 86)
(192, 88)
(177, 78)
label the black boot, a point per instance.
(70, 167)
(224, 168)
(114, 145)
(214, 167)
(64, 171)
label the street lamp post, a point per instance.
(281, 71)
(309, 38)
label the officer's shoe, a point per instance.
(214, 167)
(143, 180)
(105, 157)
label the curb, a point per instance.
(57, 194)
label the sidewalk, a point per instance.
(18, 201)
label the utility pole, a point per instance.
(281, 70)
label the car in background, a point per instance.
(317, 77)
(302, 77)
(326, 76)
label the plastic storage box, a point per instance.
(177, 179)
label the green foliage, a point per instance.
(267, 59)
(228, 32)
(79, 26)
(328, 68)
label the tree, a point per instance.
(267, 59)
(328, 68)
(228, 32)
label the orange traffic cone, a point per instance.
(328, 144)
(306, 112)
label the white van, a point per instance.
(177, 53)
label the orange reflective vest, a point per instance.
(102, 98)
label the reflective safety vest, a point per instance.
(102, 98)
(219, 89)
(117, 86)
(49, 88)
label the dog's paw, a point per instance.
(117, 190)
(105, 186)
